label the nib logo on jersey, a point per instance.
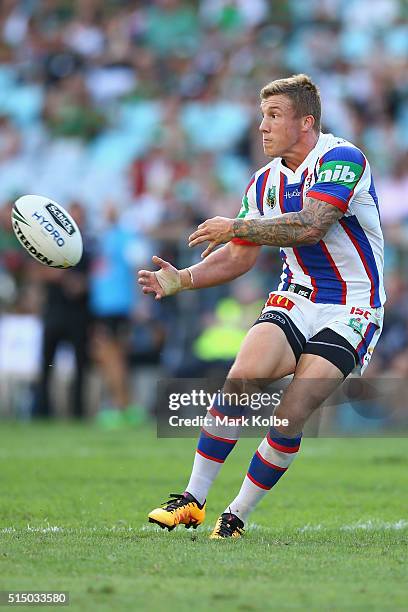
(60, 218)
(347, 173)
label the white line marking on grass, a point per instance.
(367, 525)
(57, 529)
(310, 527)
(8, 530)
(48, 529)
(150, 528)
(375, 524)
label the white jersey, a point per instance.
(346, 267)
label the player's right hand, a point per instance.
(165, 281)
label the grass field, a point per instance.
(333, 534)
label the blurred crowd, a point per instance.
(142, 118)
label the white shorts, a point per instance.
(360, 326)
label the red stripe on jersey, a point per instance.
(263, 187)
(336, 271)
(363, 260)
(306, 272)
(251, 182)
(281, 192)
(326, 197)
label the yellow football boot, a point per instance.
(227, 526)
(179, 509)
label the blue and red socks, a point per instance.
(273, 457)
(214, 445)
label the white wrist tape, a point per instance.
(168, 281)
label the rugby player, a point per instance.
(315, 200)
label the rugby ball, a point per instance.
(47, 231)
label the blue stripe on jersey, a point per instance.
(365, 343)
(286, 284)
(344, 154)
(285, 281)
(292, 197)
(260, 190)
(329, 287)
(286, 270)
(373, 194)
(366, 254)
(292, 193)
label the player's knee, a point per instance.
(240, 374)
(296, 414)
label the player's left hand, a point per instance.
(217, 231)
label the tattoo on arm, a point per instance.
(306, 227)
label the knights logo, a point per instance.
(271, 197)
(308, 181)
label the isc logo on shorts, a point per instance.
(279, 300)
(359, 311)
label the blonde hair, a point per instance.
(302, 92)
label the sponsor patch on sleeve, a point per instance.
(337, 178)
(344, 173)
